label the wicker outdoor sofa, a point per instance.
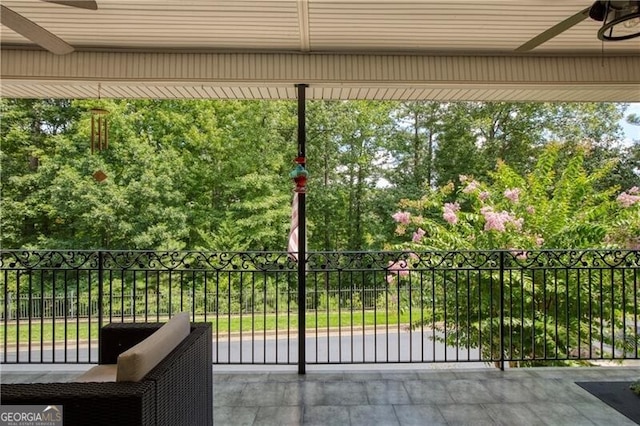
(177, 391)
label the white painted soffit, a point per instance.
(39, 74)
(390, 26)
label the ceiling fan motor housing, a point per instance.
(620, 19)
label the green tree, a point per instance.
(521, 215)
(476, 135)
(344, 159)
(29, 130)
(412, 146)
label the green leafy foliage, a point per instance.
(175, 169)
(214, 174)
(550, 207)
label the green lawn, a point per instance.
(222, 325)
(47, 330)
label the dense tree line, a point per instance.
(214, 175)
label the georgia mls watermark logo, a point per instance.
(30, 415)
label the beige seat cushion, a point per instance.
(136, 362)
(99, 373)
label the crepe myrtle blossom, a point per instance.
(517, 223)
(539, 240)
(519, 254)
(463, 178)
(531, 209)
(497, 221)
(454, 207)
(450, 217)
(512, 194)
(484, 195)
(417, 236)
(494, 221)
(402, 217)
(449, 212)
(398, 268)
(471, 187)
(629, 198)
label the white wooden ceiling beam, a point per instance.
(303, 24)
(551, 78)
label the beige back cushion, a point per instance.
(136, 362)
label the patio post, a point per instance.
(302, 233)
(100, 297)
(502, 330)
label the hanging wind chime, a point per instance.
(99, 134)
(99, 130)
(99, 127)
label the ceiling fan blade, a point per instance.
(81, 4)
(555, 30)
(33, 32)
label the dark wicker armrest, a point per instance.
(118, 337)
(184, 382)
(111, 403)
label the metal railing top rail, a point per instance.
(281, 261)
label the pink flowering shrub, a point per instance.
(402, 217)
(555, 206)
(471, 187)
(397, 269)
(628, 230)
(512, 194)
(629, 198)
(417, 236)
(450, 210)
(519, 213)
(519, 254)
(498, 221)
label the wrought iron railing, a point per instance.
(361, 307)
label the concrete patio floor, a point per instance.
(388, 396)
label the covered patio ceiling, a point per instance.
(352, 49)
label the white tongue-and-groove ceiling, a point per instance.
(412, 49)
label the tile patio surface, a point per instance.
(403, 396)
